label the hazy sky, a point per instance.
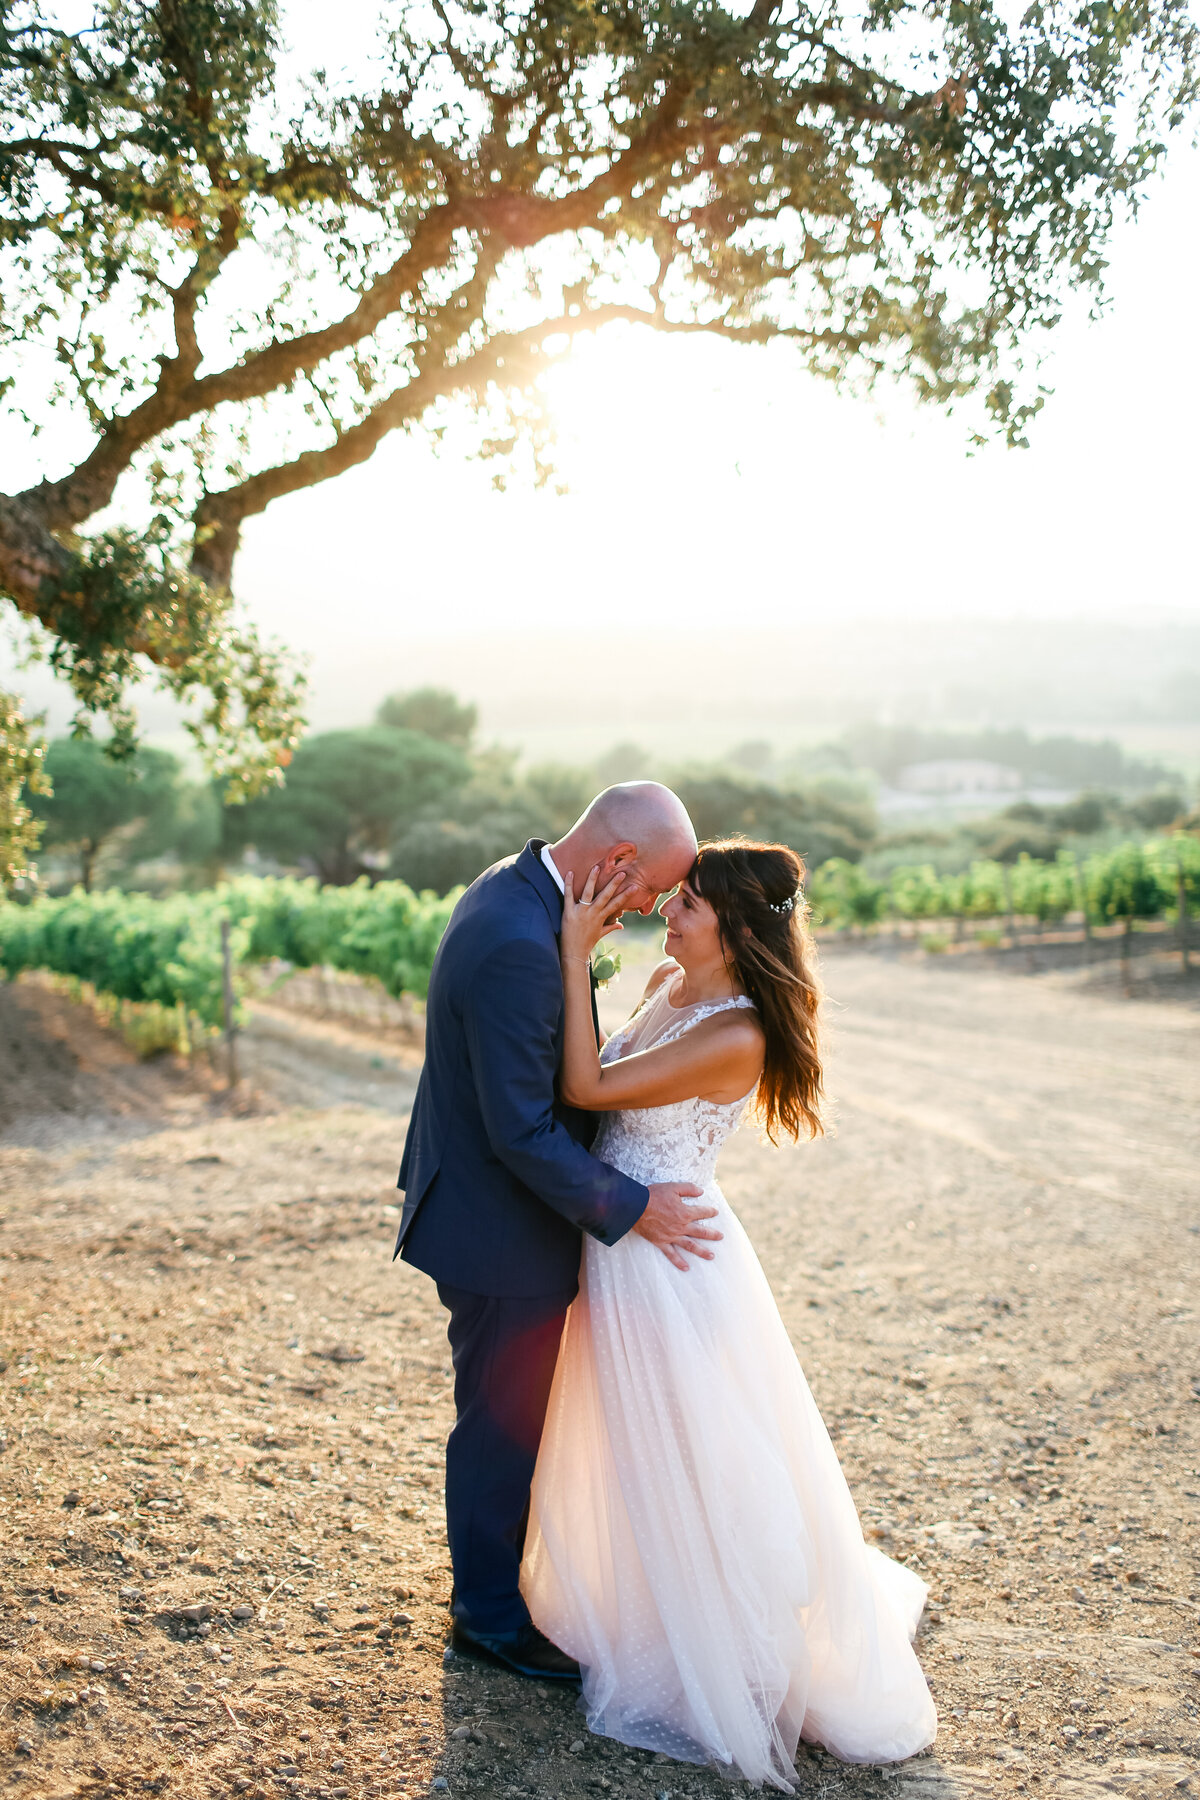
(712, 483)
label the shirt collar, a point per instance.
(550, 863)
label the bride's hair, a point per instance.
(762, 915)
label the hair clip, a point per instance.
(784, 906)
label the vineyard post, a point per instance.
(1183, 917)
(228, 1005)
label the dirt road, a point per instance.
(221, 1537)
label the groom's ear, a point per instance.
(621, 855)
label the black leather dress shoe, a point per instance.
(526, 1652)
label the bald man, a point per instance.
(499, 1184)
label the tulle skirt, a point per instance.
(692, 1539)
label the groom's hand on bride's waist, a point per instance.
(671, 1221)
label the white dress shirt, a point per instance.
(550, 863)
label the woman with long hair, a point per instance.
(692, 1539)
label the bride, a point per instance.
(692, 1541)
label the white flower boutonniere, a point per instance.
(606, 964)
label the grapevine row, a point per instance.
(1159, 878)
(168, 952)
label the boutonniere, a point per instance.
(605, 964)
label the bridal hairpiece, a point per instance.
(784, 906)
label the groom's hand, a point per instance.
(671, 1223)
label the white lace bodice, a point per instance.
(679, 1142)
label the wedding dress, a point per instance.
(692, 1541)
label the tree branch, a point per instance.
(66, 503)
(509, 359)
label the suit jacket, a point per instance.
(497, 1177)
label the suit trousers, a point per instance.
(504, 1350)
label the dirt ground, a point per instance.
(222, 1557)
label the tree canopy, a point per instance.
(349, 795)
(435, 711)
(222, 284)
(94, 798)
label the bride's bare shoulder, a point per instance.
(662, 972)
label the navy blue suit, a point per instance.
(499, 1185)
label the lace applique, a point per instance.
(680, 1141)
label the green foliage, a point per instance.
(814, 823)
(148, 1027)
(1125, 884)
(167, 953)
(350, 796)
(625, 761)
(22, 782)
(1176, 862)
(95, 795)
(440, 854)
(975, 893)
(435, 711)
(121, 598)
(916, 893)
(385, 930)
(840, 894)
(1043, 890)
(554, 795)
(1133, 880)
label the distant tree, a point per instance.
(755, 756)
(722, 803)
(435, 711)
(244, 284)
(1087, 813)
(554, 795)
(624, 762)
(95, 797)
(350, 795)
(1005, 840)
(444, 853)
(1155, 811)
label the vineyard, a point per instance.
(161, 961)
(155, 967)
(1158, 878)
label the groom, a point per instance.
(499, 1185)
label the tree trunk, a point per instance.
(87, 862)
(1126, 935)
(28, 554)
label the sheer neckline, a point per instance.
(733, 1000)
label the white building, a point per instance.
(960, 778)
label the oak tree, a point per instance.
(221, 284)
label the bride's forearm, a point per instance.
(582, 1071)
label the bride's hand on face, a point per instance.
(590, 918)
